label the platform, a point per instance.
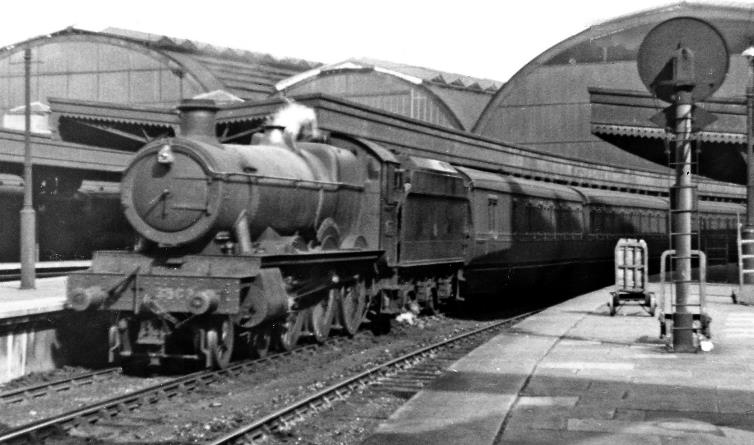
(48, 265)
(574, 375)
(48, 296)
(12, 271)
(29, 324)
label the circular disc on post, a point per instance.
(655, 59)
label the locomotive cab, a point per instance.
(425, 235)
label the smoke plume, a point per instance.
(298, 120)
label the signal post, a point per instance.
(683, 61)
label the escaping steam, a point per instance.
(299, 121)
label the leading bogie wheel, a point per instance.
(287, 332)
(321, 315)
(353, 307)
(220, 343)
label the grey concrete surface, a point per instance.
(48, 296)
(574, 375)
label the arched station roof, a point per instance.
(129, 67)
(547, 105)
(450, 100)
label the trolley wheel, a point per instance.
(353, 307)
(321, 315)
(707, 332)
(287, 332)
(666, 326)
(706, 321)
(220, 343)
(259, 341)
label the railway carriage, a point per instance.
(11, 200)
(523, 231)
(71, 223)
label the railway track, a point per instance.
(35, 432)
(407, 373)
(392, 376)
(19, 395)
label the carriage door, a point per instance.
(390, 227)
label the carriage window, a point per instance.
(594, 221)
(520, 222)
(492, 222)
(532, 216)
(398, 179)
(561, 219)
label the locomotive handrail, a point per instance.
(278, 180)
(214, 174)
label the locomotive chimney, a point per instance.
(198, 119)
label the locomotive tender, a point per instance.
(247, 246)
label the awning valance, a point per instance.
(659, 133)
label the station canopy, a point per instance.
(583, 97)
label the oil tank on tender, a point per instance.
(234, 237)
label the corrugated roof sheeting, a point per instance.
(173, 43)
(246, 74)
(466, 105)
(460, 99)
(435, 76)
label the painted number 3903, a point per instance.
(174, 293)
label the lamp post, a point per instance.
(28, 216)
(748, 230)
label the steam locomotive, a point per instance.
(247, 247)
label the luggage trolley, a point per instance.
(701, 320)
(631, 276)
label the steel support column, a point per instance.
(683, 336)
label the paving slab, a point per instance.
(48, 296)
(47, 265)
(574, 374)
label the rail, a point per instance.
(260, 429)
(35, 432)
(44, 389)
